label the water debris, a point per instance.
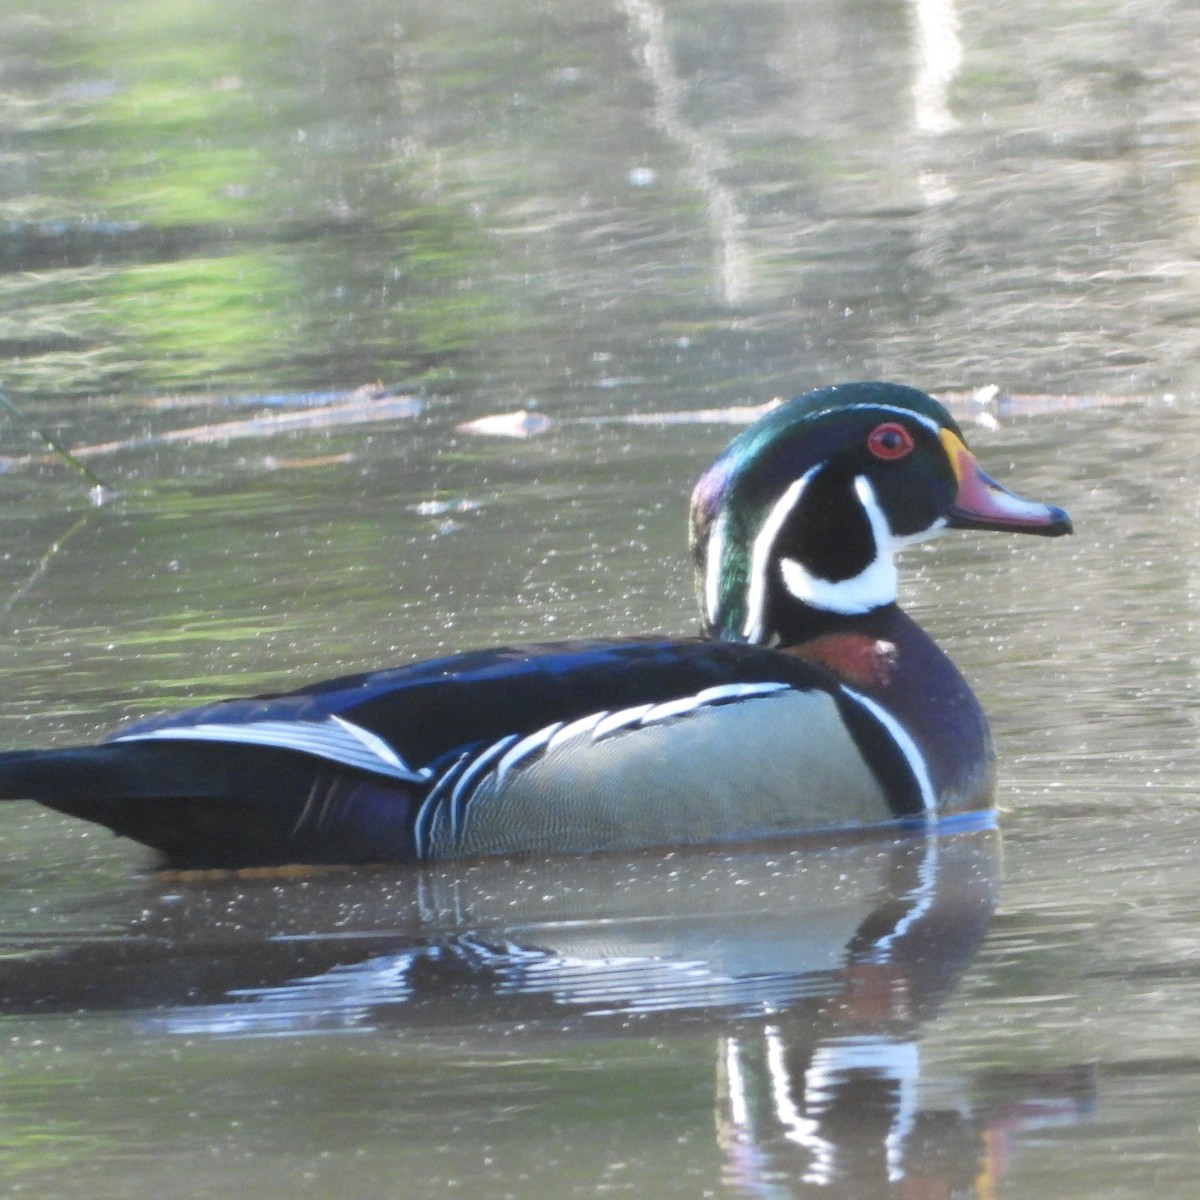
(368, 391)
(987, 406)
(44, 563)
(272, 462)
(99, 492)
(737, 414)
(349, 412)
(524, 423)
(439, 508)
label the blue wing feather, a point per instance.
(401, 721)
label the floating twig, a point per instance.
(44, 563)
(100, 491)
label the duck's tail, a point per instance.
(218, 805)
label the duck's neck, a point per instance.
(886, 656)
(863, 651)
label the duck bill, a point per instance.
(982, 503)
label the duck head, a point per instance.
(802, 514)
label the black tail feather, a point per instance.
(217, 805)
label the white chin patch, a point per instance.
(875, 584)
(859, 594)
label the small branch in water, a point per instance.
(44, 563)
(354, 411)
(100, 492)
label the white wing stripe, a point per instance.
(459, 799)
(618, 720)
(712, 695)
(714, 567)
(340, 741)
(575, 729)
(739, 691)
(671, 708)
(373, 742)
(526, 746)
(333, 738)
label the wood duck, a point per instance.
(812, 703)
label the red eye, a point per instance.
(889, 440)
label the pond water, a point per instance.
(218, 222)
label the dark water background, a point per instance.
(220, 212)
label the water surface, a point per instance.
(217, 214)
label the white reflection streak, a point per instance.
(803, 1130)
(888, 1060)
(940, 50)
(739, 1110)
(705, 158)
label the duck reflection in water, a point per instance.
(815, 971)
(835, 1103)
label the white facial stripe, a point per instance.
(713, 566)
(764, 548)
(907, 413)
(922, 535)
(881, 529)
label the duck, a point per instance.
(808, 703)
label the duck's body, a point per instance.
(563, 747)
(815, 703)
